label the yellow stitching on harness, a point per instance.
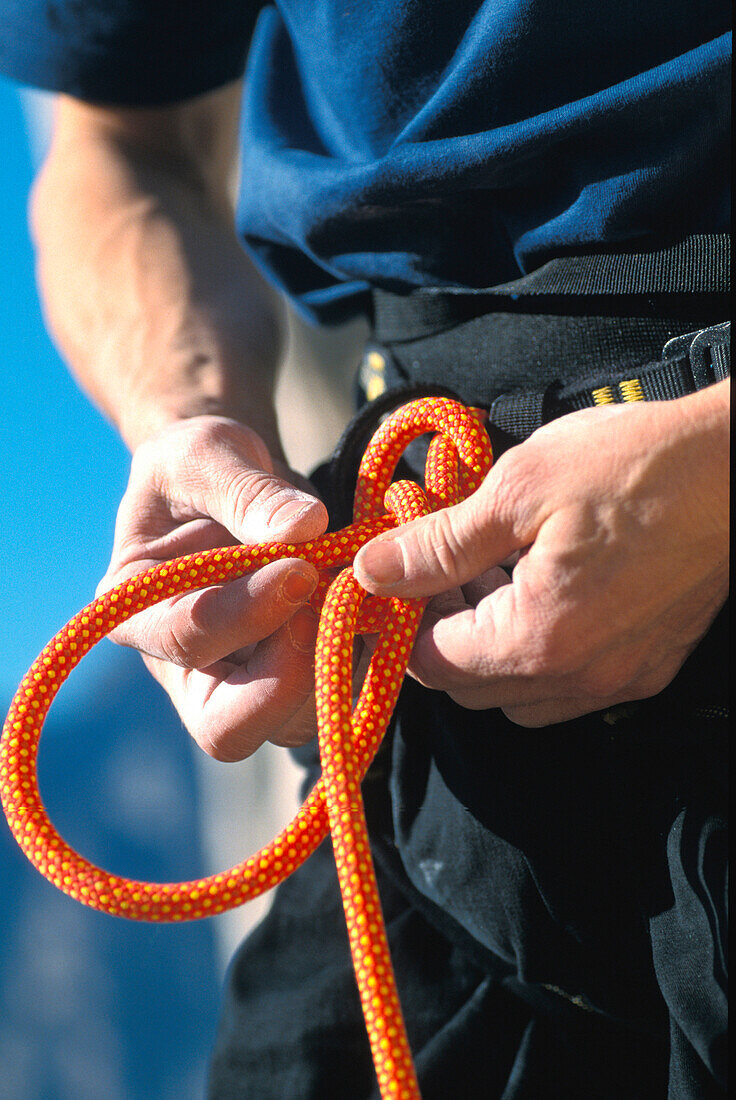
(631, 390)
(373, 375)
(604, 396)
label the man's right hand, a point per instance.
(237, 659)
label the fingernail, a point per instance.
(287, 513)
(298, 586)
(383, 561)
(303, 628)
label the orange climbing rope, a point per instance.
(458, 458)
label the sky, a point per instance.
(90, 1005)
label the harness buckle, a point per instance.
(708, 351)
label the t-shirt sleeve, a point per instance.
(126, 52)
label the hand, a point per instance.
(617, 519)
(236, 659)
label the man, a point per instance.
(548, 834)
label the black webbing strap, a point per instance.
(696, 266)
(689, 363)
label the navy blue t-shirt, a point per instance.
(407, 143)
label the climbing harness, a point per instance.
(458, 458)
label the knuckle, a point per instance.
(220, 433)
(198, 623)
(193, 442)
(527, 717)
(602, 683)
(200, 731)
(183, 642)
(439, 544)
(650, 687)
(295, 685)
(613, 676)
(258, 492)
(224, 738)
(173, 651)
(552, 651)
(250, 489)
(513, 469)
(432, 669)
(301, 729)
(222, 746)
(200, 440)
(143, 458)
(424, 669)
(512, 486)
(471, 699)
(653, 682)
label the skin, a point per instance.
(615, 519)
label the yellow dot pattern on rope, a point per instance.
(458, 459)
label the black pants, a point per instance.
(555, 917)
(555, 902)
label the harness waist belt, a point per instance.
(690, 362)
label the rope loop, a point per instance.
(458, 458)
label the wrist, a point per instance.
(215, 368)
(213, 364)
(700, 426)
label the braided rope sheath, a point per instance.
(458, 458)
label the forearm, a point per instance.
(147, 291)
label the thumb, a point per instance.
(213, 467)
(238, 486)
(443, 550)
(258, 506)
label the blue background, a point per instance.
(90, 1006)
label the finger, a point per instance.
(452, 546)
(230, 710)
(422, 664)
(550, 712)
(490, 581)
(215, 468)
(500, 653)
(188, 538)
(199, 628)
(300, 728)
(621, 675)
(553, 711)
(615, 679)
(303, 726)
(445, 604)
(427, 664)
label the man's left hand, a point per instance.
(616, 519)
